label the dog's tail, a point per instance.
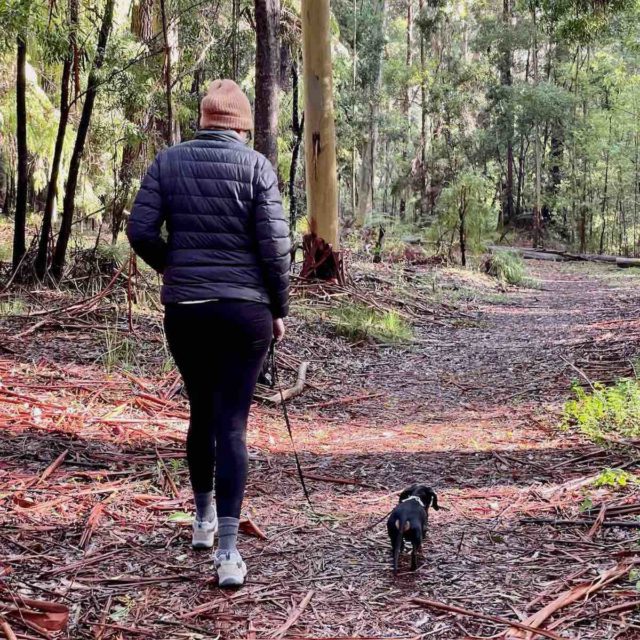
(400, 524)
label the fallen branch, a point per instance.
(320, 478)
(348, 400)
(423, 602)
(92, 523)
(568, 597)
(7, 630)
(627, 524)
(598, 523)
(291, 392)
(293, 617)
(52, 467)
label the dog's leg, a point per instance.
(396, 545)
(414, 557)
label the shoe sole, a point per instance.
(197, 544)
(232, 581)
(201, 545)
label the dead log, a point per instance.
(545, 255)
(558, 255)
(291, 392)
(626, 263)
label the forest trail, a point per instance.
(471, 408)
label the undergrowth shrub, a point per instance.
(614, 479)
(358, 322)
(506, 266)
(605, 410)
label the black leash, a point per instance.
(285, 413)
(276, 382)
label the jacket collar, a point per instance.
(218, 135)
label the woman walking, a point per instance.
(225, 269)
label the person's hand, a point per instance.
(278, 329)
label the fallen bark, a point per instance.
(423, 602)
(566, 598)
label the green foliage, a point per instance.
(120, 351)
(12, 307)
(358, 322)
(634, 577)
(603, 411)
(506, 266)
(180, 516)
(469, 195)
(614, 479)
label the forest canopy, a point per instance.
(456, 121)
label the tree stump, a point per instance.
(320, 261)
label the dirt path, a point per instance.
(470, 409)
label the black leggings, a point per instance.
(219, 348)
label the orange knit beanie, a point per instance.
(225, 107)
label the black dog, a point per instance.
(408, 521)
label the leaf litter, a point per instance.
(95, 494)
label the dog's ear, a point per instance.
(428, 497)
(409, 491)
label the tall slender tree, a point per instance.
(506, 61)
(42, 256)
(19, 233)
(367, 166)
(68, 210)
(267, 14)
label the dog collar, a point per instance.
(415, 498)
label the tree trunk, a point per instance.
(506, 82)
(367, 168)
(406, 102)
(462, 211)
(603, 209)
(40, 263)
(170, 37)
(297, 126)
(636, 188)
(235, 19)
(354, 74)
(423, 122)
(68, 209)
(4, 180)
(537, 209)
(267, 76)
(320, 141)
(142, 29)
(19, 232)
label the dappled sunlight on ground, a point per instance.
(96, 499)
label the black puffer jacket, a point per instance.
(227, 235)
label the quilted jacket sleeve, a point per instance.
(146, 219)
(272, 233)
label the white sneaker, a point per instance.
(203, 533)
(231, 568)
